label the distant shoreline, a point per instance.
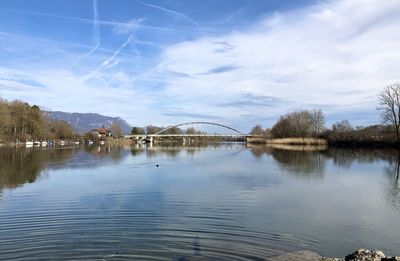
(279, 143)
(324, 142)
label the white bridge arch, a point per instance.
(198, 123)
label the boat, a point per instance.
(44, 143)
(36, 143)
(62, 143)
(76, 143)
(90, 142)
(29, 144)
(102, 142)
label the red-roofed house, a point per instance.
(101, 132)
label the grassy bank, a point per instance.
(120, 141)
(346, 142)
(287, 141)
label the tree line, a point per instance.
(303, 123)
(20, 121)
(152, 129)
(311, 123)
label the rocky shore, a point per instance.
(359, 255)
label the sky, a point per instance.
(236, 62)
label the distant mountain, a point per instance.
(84, 122)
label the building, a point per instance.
(100, 132)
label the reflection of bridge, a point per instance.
(238, 135)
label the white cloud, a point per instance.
(338, 53)
(334, 55)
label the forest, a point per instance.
(20, 121)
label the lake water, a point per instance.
(222, 202)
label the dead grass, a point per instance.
(297, 141)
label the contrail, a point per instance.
(187, 18)
(109, 60)
(96, 35)
(115, 23)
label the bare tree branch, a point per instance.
(389, 101)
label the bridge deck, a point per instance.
(188, 135)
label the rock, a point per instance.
(366, 255)
(359, 255)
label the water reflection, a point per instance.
(215, 202)
(174, 150)
(112, 153)
(393, 190)
(21, 165)
(24, 165)
(347, 157)
(301, 161)
(303, 164)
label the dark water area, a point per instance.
(221, 202)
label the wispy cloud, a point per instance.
(223, 47)
(305, 59)
(302, 59)
(109, 62)
(251, 100)
(120, 24)
(128, 27)
(221, 69)
(193, 115)
(169, 11)
(97, 38)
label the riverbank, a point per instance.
(339, 143)
(286, 141)
(358, 255)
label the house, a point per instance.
(100, 132)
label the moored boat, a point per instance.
(29, 144)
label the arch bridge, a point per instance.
(162, 134)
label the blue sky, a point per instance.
(237, 62)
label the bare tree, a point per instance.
(61, 130)
(151, 129)
(116, 130)
(257, 130)
(137, 131)
(318, 121)
(5, 118)
(283, 128)
(299, 124)
(192, 130)
(342, 126)
(389, 101)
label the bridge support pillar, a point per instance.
(247, 139)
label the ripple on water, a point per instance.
(57, 229)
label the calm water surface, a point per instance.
(224, 202)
